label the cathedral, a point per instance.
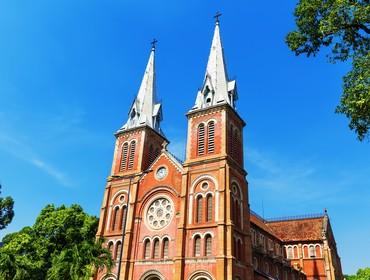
(163, 218)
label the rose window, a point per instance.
(159, 213)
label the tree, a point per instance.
(362, 274)
(6, 210)
(343, 25)
(60, 245)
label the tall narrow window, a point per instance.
(208, 242)
(311, 251)
(147, 249)
(123, 216)
(151, 154)
(318, 251)
(197, 246)
(240, 251)
(289, 253)
(132, 155)
(165, 247)
(209, 207)
(118, 250)
(199, 209)
(115, 220)
(201, 139)
(211, 137)
(124, 157)
(156, 249)
(230, 140)
(110, 247)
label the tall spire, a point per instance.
(216, 88)
(144, 109)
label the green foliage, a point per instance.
(343, 25)
(6, 211)
(60, 245)
(362, 274)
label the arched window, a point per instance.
(132, 155)
(295, 252)
(201, 137)
(209, 207)
(199, 211)
(211, 137)
(115, 220)
(123, 216)
(165, 247)
(118, 250)
(305, 251)
(240, 250)
(311, 251)
(147, 249)
(156, 249)
(232, 210)
(110, 247)
(208, 247)
(197, 246)
(124, 157)
(318, 251)
(237, 213)
(289, 252)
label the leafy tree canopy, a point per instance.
(343, 25)
(6, 211)
(60, 245)
(362, 274)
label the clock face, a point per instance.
(161, 172)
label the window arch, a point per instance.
(211, 137)
(208, 245)
(289, 252)
(165, 247)
(295, 252)
(197, 246)
(318, 251)
(124, 156)
(209, 207)
(147, 249)
(132, 155)
(118, 250)
(201, 137)
(156, 249)
(199, 211)
(240, 250)
(115, 220)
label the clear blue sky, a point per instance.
(70, 69)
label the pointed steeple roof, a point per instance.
(145, 110)
(216, 88)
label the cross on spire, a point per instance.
(217, 16)
(153, 43)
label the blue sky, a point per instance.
(70, 69)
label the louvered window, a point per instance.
(132, 155)
(197, 246)
(199, 209)
(201, 137)
(147, 249)
(156, 249)
(165, 247)
(211, 137)
(209, 207)
(124, 157)
(230, 140)
(208, 241)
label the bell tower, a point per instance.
(138, 143)
(217, 179)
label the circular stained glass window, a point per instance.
(159, 213)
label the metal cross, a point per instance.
(216, 16)
(153, 43)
